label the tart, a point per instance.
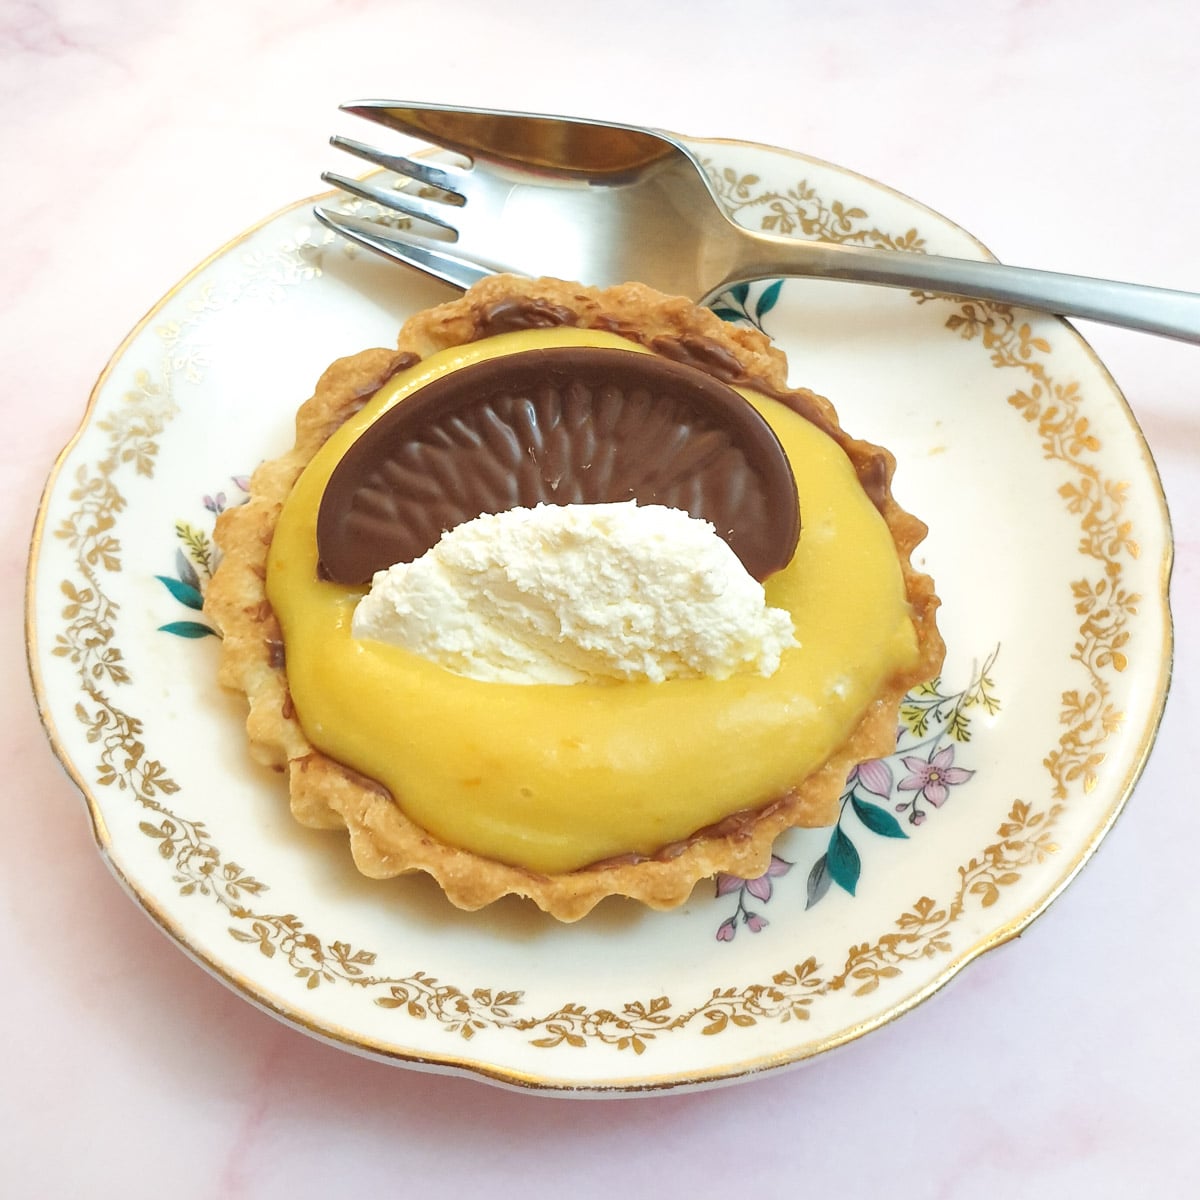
(570, 794)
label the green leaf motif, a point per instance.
(183, 592)
(727, 314)
(188, 629)
(819, 880)
(877, 820)
(185, 570)
(842, 861)
(768, 299)
(915, 718)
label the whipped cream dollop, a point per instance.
(574, 593)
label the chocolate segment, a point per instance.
(696, 350)
(569, 425)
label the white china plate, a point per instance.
(1049, 543)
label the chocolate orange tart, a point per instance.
(526, 393)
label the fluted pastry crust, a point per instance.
(383, 841)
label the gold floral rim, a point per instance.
(1024, 839)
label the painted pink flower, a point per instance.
(874, 775)
(729, 883)
(934, 777)
(760, 888)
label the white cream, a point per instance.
(572, 593)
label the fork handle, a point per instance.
(1172, 314)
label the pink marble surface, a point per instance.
(136, 137)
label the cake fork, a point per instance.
(606, 203)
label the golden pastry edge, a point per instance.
(384, 843)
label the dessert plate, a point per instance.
(1049, 543)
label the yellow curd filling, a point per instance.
(553, 777)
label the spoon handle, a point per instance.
(1171, 314)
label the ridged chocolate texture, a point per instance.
(558, 426)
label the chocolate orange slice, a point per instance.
(568, 425)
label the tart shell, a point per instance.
(383, 841)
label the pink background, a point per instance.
(136, 136)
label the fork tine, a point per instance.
(446, 178)
(402, 202)
(408, 249)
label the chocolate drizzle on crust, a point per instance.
(701, 353)
(365, 378)
(400, 362)
(567, 425)
(522, 312)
